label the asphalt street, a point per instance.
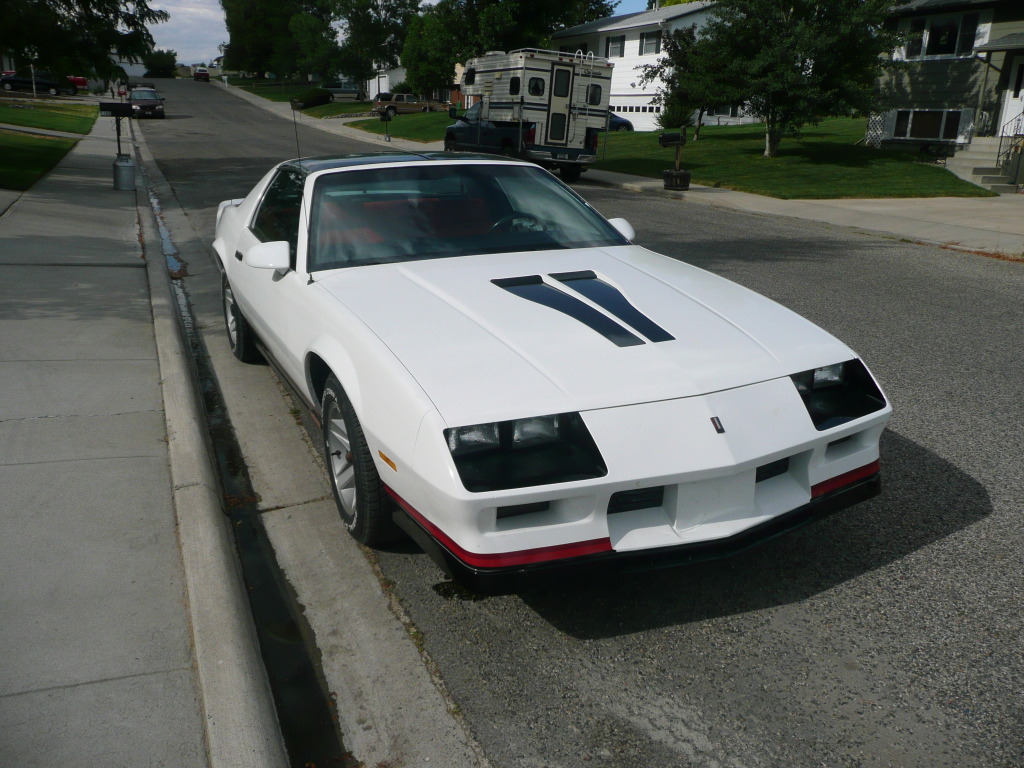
(888, 635)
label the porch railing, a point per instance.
(1011, 144)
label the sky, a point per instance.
(196, 27)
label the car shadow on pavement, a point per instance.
(924, 499)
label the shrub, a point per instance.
(313, 97)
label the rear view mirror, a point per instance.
(624, 228)
(272, 255)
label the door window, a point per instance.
(560, 88)
(278, 214)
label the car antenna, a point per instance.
(295, 125)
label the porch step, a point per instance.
(976, 163)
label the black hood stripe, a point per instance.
(533, 288)
(611, 299)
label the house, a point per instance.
(632, 40)
(959, 89)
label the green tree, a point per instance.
(801, 60)
(316, 41)
(160, 63)
(455, 30)
(78, 35)
(260, 37)
(693, 78)
(374, 34)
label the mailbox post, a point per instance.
(124, 166)
(385, 117)
(677, 178)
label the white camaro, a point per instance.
(499, 372)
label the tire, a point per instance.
(8, 87)
(54, 91)
(241, 337)
(73, 91)
(356, 486)
(449, 144)
(570, 173)
(507, 150)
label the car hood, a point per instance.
(486, 341)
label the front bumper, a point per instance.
(597, 556)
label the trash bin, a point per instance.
(124, 173)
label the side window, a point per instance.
(473, 113)
(470, 77)
(536, 86)
(513, 86)
(278, 214)
(594, 95)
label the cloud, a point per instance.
(194, 31)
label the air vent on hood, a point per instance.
(609, 297)
(533, 288)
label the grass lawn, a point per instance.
(422, 126)
(27, 158)
(272, 90)
(52, 115)
(823, 163)
(339, 108)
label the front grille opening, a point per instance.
(840, 441)
(774, 469)
(523, 509)
(642, 498)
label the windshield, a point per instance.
(143, 95)
(430, 211)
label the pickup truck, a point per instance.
(402, 104)
(499, 137)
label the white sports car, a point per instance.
(501, 374)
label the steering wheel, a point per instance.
(507, 223)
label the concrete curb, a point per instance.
(241, 723)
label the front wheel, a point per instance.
(449, 144)
(53, 91)
(8, 87)
(570, 173)
(354, 480)
(241, 338)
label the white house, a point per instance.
(632, 40)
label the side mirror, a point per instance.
(272, 255)
(624, 228)
(452, 114)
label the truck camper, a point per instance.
(549, 107)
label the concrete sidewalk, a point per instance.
(125, 637)
(992, 225)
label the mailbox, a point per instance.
(672, 139)
(385, 116)
(115, 109)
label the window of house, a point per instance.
(650, 43)
(948, 35)
(615, 47)
(927, 124)
(536, 86)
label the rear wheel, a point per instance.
(53, 91)
(354, 480)
(241, 338)
(570, 173)
(8, 87)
